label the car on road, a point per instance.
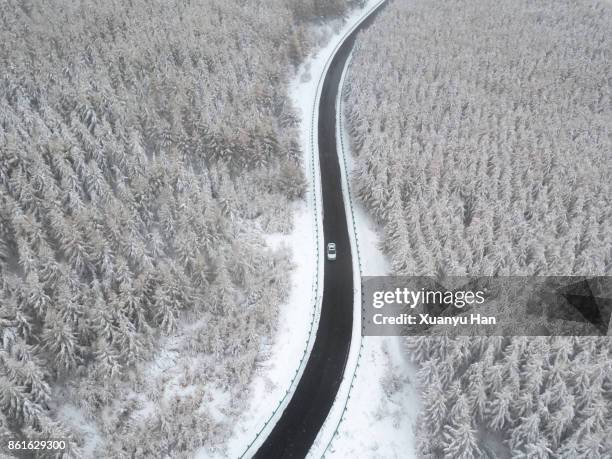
(331, 251)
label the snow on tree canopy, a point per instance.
(481, 135)
(145, 149)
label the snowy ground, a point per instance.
(379, 415)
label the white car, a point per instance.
(331, 251)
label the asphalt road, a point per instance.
(299, 424)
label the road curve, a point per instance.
(315, 393)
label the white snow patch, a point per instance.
(74, 416)
(381, 413)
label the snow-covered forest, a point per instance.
(482, 135)
(522, 397)
(145, 150)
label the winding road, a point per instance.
(297, 428)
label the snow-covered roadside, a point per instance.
(381, 401)
(272, 389)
